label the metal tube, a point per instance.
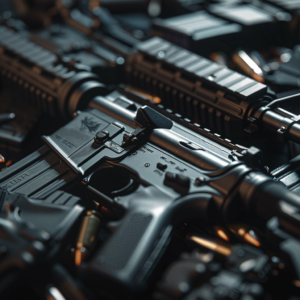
(122, 114)
(274, 122)
(294, 133)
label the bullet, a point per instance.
(248, 65)
(87, 235)
(245, 233)
(211, 245)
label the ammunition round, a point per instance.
(87, 235)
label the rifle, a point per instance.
(208, 93)
(136, 165)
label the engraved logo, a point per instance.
(90, 124)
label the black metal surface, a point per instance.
(149, 149)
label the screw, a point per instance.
(161, 54)
(200, 180)
(282, 129)
(147, 165)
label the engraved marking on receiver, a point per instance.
(145, 148)
(158, 172)
(64, 141)
(181, 169)
(16, 180)
(167, 161)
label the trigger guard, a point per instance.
(126, 189)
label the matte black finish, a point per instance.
(216, 99)
(222, 27)
(139, 191)
(149, 200)
(47, 79)
(205, 92)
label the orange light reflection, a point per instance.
(222, 235)
(251, 240)
(212, 246)
(78, 257)
(8, 163)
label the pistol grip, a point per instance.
(127, 259)
(134, 248)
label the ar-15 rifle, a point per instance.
(208, 93)
(137, 165)
(201, 92)
(38, 71)
(64, 76)
(46, 78)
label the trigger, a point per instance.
(126, 189)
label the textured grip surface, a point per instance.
(129, 257)
(119, 249)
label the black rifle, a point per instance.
(46, 78)
(208, 93)
(137, 164)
